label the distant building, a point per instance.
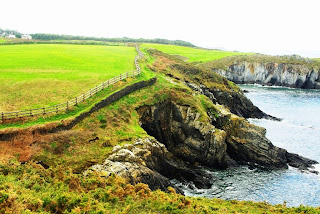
(3, 35)
(11, 36)
(25, 36)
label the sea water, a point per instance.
(298, 132)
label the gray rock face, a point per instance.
(148, 161)
(289, 75)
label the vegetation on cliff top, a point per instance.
(196, 55)
(260, 58)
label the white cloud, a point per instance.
(267, 26)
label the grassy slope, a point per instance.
(194, 54)
(37, 75)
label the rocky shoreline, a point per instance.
(182, 144)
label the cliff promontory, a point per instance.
(268, 70)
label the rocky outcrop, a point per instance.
(289, 75)
(180, 129)
(236, 102)
(186, 141)
(148, 161)
(226, 140)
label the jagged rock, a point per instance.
(300, 162)
(235, 101)
(180, 129)
(240, 105)
(290, 75)
(148, 161)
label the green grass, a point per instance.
(74, 111)
(2, 40)
(46, 74)
(193, 54)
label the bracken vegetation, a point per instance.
(31, 188)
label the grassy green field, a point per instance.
(193, 54)
(45, 74)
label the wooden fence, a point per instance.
(79, 99)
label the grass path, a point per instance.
(46, 74)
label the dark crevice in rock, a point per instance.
(178, 128)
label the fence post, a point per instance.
(44, 110)
(90, 92)
(108, 83)
(57, 108)
(103, 85)
(30, 112)
(83, 98)
(67, 105)
(76, 100)
(127, 74)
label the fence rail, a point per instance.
(77, 100)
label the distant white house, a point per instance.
(25, 36)
(11, 36)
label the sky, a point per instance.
(274, 27)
